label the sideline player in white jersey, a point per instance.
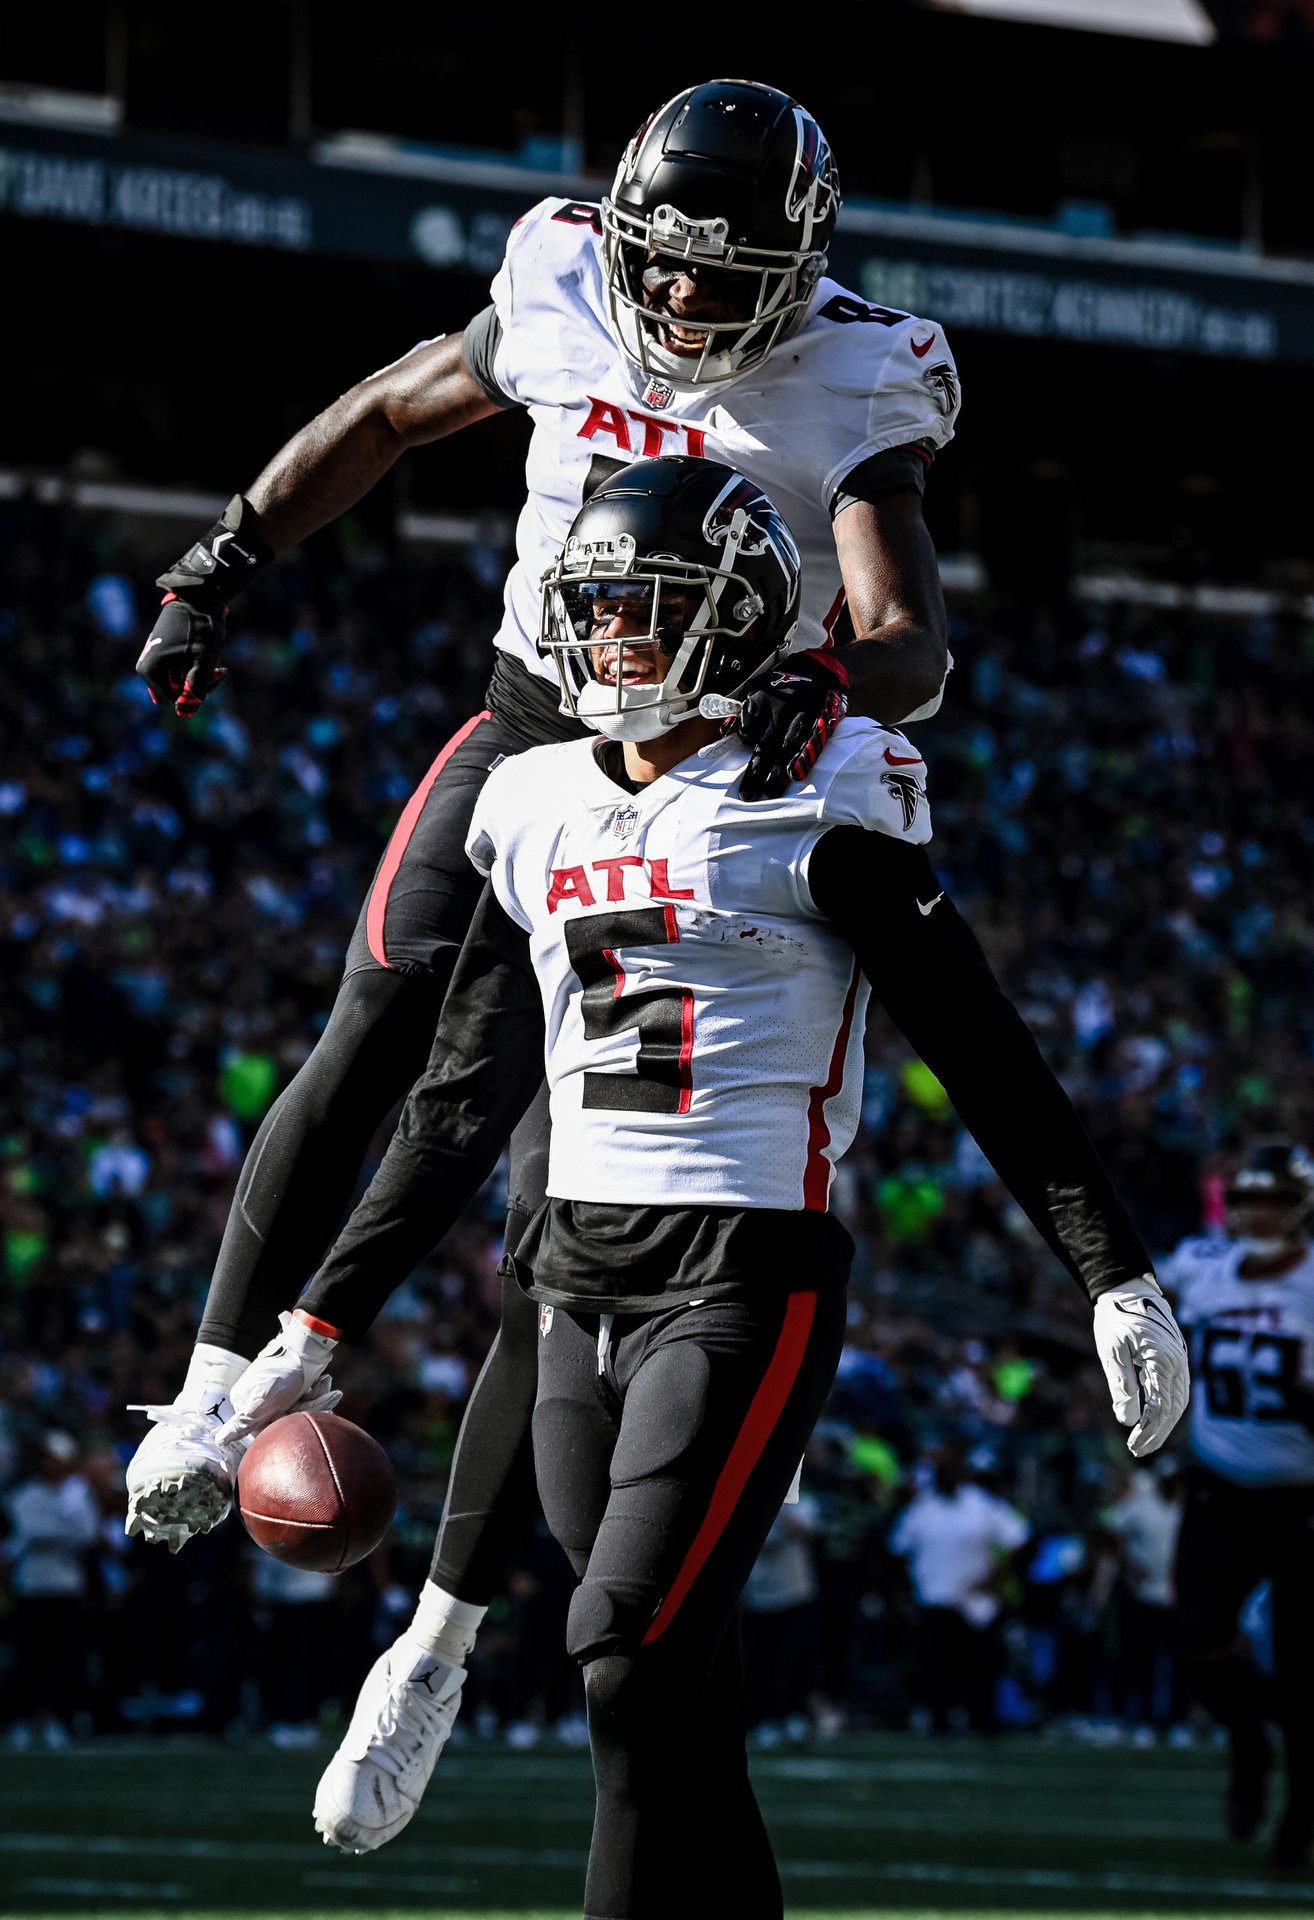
(689, 312)
(1247, 1303)
(698, 968)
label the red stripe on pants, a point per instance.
(759, 1424)
(401, 839)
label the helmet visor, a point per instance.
(645, 639)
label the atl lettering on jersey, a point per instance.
(609, 882)
(684, 976)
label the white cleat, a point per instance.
(376, 1779)
(180, 1481)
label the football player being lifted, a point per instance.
(698, 967)
(689, 313)
(1247, 1303)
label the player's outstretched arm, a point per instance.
(323, 470)
(335, 460)
(927, 968)
(899, 656)
(484, 1070)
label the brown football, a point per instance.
(316, 1491)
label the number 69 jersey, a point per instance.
(704, 1023)
(1252, 1352)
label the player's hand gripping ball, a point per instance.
(316, 1491)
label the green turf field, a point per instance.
(879, 1825)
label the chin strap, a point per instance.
(646, 722)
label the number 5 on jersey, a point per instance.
(663, 1017)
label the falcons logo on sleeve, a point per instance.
(907, 792)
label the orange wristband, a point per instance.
(321, 1327)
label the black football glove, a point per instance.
(180, 661)
(787, 719)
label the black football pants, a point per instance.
(1232, 1538)
(664, 1445)
(301, 1171)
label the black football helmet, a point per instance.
(1278, 1172)
(694, 556)
(731, 177)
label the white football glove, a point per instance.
(287, 1376)
(1144, 1357)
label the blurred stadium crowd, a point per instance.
(1122, 807)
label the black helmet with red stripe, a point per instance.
(730, 179)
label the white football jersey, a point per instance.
(1252, 1343)
(704, 1022)
(854, 381)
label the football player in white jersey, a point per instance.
(1247, 1303)
(699, 967)
(689, 312)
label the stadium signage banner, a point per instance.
(456, 217)
(1106, 307)
(94, 181)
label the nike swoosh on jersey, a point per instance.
(924, 906)
(925, 347)
(903, 759)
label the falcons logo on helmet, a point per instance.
(765, 529)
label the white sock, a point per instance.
(445, 1625)
(210, 1370)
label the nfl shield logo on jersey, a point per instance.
(545, 1320)
(658, 394)
(623, 822)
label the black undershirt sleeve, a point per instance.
(905, 466)
(485, 1067)
(479, 342)
(927, 969)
